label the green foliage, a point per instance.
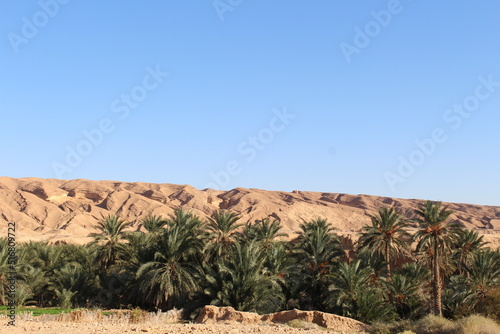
(242, 281)
(173, 274)
(315, 250)
(353, 295)
(185, 262)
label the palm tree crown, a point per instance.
(109, 240)
(383, 237)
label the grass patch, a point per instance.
(36, 311)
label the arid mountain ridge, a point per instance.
(56, 210)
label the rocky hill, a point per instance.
(53, 210)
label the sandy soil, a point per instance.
(52, 327)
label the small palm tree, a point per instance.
(484, 272)
(466, 244)
(153, 223)
(354, 296)
(263, 230)
(38, 283)
(384, 237)
(73, 277)
(242, 281)
(403, 293)
(435, 238)
(65, 298)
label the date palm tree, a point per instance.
(153, 223)
(173, 274)
(263, 230)
(352, 294)
(109, 241)
(316, 249)
(384, 237)
(466, 244)
(241, 280)
(435, 237)
(484, 273)
(222, 232)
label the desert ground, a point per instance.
(23, 327)
(212, 319)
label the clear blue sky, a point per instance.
(361, 81)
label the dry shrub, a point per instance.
(476, 324)
(76, 315)
(432, 324)
(25, 316)
(137, 315)
(490, 305)
(402, 326)
(382, 328)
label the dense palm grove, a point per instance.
(185, 262)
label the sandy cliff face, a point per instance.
(52, 210)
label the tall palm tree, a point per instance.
(222, 231)
(435, 237)
(384, 236)
(109, 241)
(173, 274)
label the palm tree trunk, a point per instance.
(388, 263)
(436, 284)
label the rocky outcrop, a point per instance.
(327, 320)
(212, 314)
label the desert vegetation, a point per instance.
(399, 270)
